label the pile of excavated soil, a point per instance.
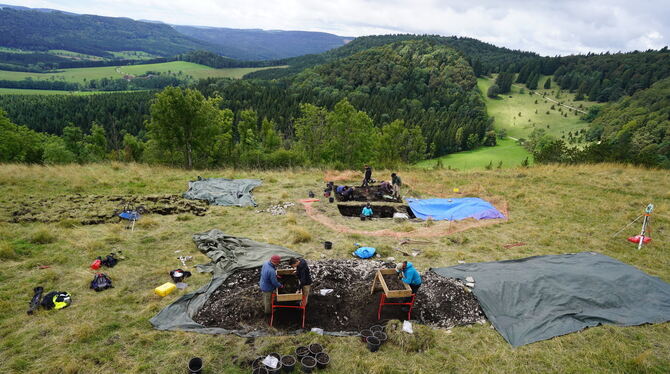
(95, 209)
(237, 304)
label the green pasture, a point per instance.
(82, 75)
(519, 114)
(507, 151)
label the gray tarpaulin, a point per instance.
(222, 191)
(228, 254)
(537, 298)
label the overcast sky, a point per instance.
(546, 27)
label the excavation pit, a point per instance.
(378, 210)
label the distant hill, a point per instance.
(484, 57)
(40, 30)
(49, 29)
(256, 44)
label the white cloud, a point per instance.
(546, 27)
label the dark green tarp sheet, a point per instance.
(537, 298)
(228, 254)
(222, 191)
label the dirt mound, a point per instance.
(237, 304)
(95, 209)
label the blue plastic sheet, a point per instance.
(453, 209)
(365, 252)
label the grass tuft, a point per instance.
(299, 235)
(43, 236)
(422, 339)
(7, 251)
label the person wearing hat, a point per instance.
(409, 275)
(269, 282)
(303, 274)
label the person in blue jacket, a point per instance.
(269, 282)
(409, 275)
(367, 212)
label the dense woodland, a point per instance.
(420, 89)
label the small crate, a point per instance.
(390, 294)
(165, 289)
(287, 296)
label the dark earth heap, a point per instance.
(237, 304)
(96, 209)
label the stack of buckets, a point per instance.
(374, 337)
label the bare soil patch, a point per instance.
(96, 209)
(237, 304)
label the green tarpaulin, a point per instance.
(222, 191)
(228, 254)
(541, 297)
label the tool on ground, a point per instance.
(37, 299)
(183, 260)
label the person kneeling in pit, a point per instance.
(410, 276)
(367, 212)
(303, 274)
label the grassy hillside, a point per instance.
(552, 210)
(506, 111)
(80, 75)
(507, 151)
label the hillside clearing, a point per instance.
(507, 151)
(553, 209)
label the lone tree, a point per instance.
(493, 91)
(547, 83)
(184, 122)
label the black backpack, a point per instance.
(101, 282)
(110, 261)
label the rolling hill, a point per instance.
(255, 44)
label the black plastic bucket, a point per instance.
(381, 336)
(301, 352)
(315, 349)
(376, 328)
(288, 363)
(195, 365)
(328, 245)
(364, 334)
(260, 370)
(322, 360)
(307, 363)
(373, 343)
(331, 199)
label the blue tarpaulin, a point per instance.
(453, 209)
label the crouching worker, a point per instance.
(409, 276)
(269, 282)
(366, 213)
(303, 274)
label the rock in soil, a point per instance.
(237, 304)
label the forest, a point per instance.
(419, 88)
